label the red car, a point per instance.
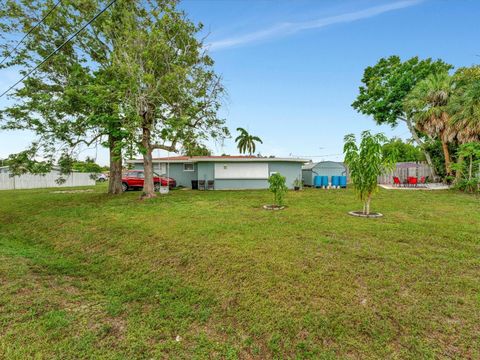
(133, 179)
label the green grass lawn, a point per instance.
(86, 275)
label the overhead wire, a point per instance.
(59, 48)
(30, 31)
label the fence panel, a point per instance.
(30, 181)
(6, 182)
(406, 169)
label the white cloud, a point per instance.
(288, 28)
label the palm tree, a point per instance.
(246, 142)
(465, 110)
(428, 105)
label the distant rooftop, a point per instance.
(311, 165)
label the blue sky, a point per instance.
(292, 68)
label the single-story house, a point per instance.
(33, 181)
(322, 168)
(227, 172)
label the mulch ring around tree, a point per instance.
(273, 207)
(361, 214)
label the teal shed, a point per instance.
(322, 168)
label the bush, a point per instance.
(278, 187)
(468, 167)
(471, 186)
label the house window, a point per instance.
(188, 167)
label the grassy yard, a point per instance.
(212, 275)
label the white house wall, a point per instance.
(241, 170)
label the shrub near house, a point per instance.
(278, 188)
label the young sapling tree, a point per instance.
(278, 187)
(366, 162)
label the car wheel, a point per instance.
(124, 187)
(156, 187)
(101, 180)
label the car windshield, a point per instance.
(139, 174)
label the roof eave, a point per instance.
(139, 161)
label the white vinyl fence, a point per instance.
(29, 181)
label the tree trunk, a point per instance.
(148, 186)
(470, 168)
(420, 143)
(446, 153)
(367, 205)
(459, 173)
(115, 178)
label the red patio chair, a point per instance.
(396, 181)
(413, 181)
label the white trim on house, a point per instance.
(222, 160)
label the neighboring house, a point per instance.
(31, 181)
(322, 168)
(227, 172)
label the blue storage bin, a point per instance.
(335, 181)
(343, 181)
(317, 181)
(325, 181)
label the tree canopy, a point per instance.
(387, 84)
(385, 87)
(464, 106)
(71, 100)
(136, 79)
(172, 94)
(88, 166)
(404, 151)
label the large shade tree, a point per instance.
(137, 75)
(72, 99)
(173, 94)
(385, 87)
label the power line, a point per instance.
(59, 48)
(30, 31)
